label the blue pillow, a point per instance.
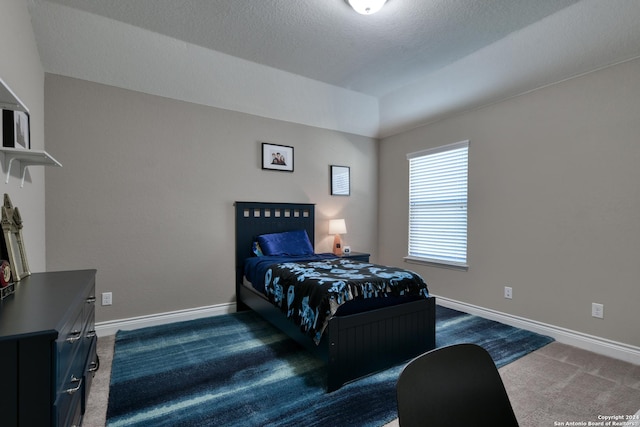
(289, 243)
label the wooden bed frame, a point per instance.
(352, 346)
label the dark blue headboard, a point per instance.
(255, 218)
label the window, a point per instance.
(438, 204)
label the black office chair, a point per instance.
(458, 385)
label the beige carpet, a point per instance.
(556, 384)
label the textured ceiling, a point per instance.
(320, 63)
(326, 40)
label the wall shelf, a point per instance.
(25, 158)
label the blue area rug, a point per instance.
(237, 370)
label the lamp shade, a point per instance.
(367, 7)
(337, 226)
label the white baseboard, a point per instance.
(614, 349)
(112, 326)
(603, 346)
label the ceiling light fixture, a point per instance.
(367, 7)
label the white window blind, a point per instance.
(438, 204)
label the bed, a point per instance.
(352, 345)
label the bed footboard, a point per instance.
(360, 344)
(365, 343)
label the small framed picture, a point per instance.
(340, 180)
(277, 157)
(12, 248)
(16, 129)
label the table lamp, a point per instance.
(337, 227)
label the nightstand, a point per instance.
(358, 256)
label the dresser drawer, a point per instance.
(91, 366)
(68, 345)
(74, 340)
(89, 330)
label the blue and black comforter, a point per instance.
(310, 289)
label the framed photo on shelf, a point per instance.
(340, 180)
(16, 129)
(277, 157)
(12, 241)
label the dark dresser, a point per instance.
(47, 349)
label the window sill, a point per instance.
(436, 263)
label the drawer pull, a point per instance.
(74, 389)
(90, 334)
(74, 336)
(91, 300)
(94, 366)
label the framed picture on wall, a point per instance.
(340, 180)
(16, 129)
(277, 157)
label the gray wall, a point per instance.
(21, 70)
(554, 203)
(148, 184)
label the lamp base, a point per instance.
(337, 245)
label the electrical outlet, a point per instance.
(597, 310)
(508, 292)
(107, 298)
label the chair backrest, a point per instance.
(453, 386)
